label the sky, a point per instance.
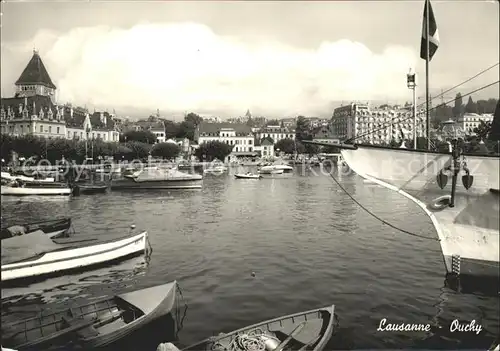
(276, 59)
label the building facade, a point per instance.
(469, 121)
(238, 135)
(33, 111)
(276, 133)
(375, 126)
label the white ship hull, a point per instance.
(156, 178)
(468, 232)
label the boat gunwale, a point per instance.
(330, 309)
(35, 261)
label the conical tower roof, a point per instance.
(35, 73)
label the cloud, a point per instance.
(187, 67)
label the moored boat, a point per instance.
(36, 255)
(248, 175)
(96, 324)
(276, 169)
(215, 170)
(156, 178)
(23, 188)
(53, 228)
(88, 189)
(310, 330)
(36, 178)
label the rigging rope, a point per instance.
(459, 85)
(386, 124)
(377, 217)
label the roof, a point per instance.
(214, 128)
(266, 142)
(151, 125)
(35, 73)
(78, 118)
(107, 122)
(35, 104)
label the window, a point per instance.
(250, 142)
(41, 129)
(50, 129)
(57, 130)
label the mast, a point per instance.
(427, 97)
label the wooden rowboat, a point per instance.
(36, 255)
(303, 331)
(96, 324)
(53, 228)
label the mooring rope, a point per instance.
(377, 217)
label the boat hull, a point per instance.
(9, 176)
(243, 176)
(320, 332)
(152, 311)
(75, 258)
(26, 191)
(470, 229)
(164, 184)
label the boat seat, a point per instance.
(310, 330)
(87, 333)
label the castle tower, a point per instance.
(35, 80)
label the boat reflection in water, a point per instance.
(155, 178)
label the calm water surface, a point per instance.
(307, 242)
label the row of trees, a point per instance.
(443, 112)
(36, 148)
(184, 129)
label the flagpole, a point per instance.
(427, 97)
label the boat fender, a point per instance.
(440, 203)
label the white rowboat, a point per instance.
(47, 257)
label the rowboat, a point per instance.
(36, 255)
(89, 189)
(22, 188)
(53, 228)
(248, 176)
(302, 331)
(96, 324)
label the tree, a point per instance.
(495, 125)
(166, 150)
(458, 108)
(286, 145)
(186, 130)
(471, 106)
(123, 152)
(482, 130)
(6, 146)
(141, 136)
(213, 150)
(486, 106)
(302, 129)
(171, 129)
(139, 150)
(193, 118)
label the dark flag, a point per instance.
(433, 34)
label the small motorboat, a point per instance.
(96, 324)
(36, 255)
(215, 170)
(248, 176)
(303, 331)
(37, 177)
(53, 228)
(89, 189)
(19, 187)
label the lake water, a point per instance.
(307, 242)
